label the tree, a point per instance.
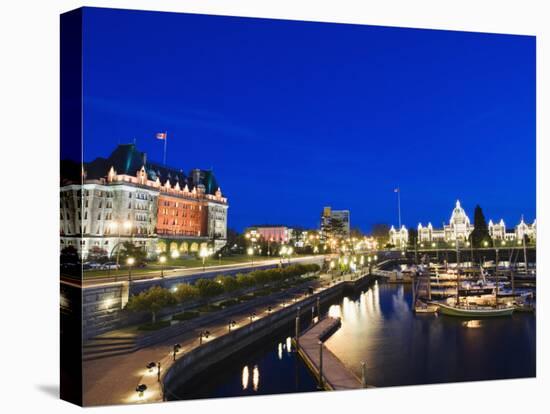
(69, 254)
(152, 300)
(335, 226)
(413, 237)
(229, 283)
(131, 250)
(185, 293)
(381, 233)
(96, 253)
(244, 280)
(208, 288)
(356, 232)
(481, 231)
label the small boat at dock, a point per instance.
(474, 310)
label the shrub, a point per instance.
(185, 316)
(208, 308)
(244, 280)
(151, 300)
(227, 303)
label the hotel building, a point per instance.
(126, 198)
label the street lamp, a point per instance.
(175, 254)
(176, 349)
(203, 334)
(130, 262)
(162, 260)
(140, 389)
(250, 252)
(203, 254)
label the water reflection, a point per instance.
(288, 345)
(472, 324)
(255, 378)
(402, 348)
(399, 347)
(245, 377)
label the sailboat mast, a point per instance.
(457, 270)
(524, 250)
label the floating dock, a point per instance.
(335, 375)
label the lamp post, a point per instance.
(130, 262)
(282, 253)
(290, 250)
(174, 254)
(250, 252)
(162, 260)
(203, 254)
(203, 334)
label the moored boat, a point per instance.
(477, 311)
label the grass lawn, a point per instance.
(177, 263)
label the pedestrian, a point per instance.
(158, 371)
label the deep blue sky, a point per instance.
(293, 116)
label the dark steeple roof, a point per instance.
(126, 159)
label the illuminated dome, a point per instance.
(459, 217)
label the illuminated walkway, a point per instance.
(113, 380)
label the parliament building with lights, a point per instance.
(460, 228)
(127, 198)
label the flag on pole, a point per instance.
(161, 135)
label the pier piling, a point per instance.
(320, 365)
(364, 374)
(297, 333)
(319, 307)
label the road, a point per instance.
(193, 273)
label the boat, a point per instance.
(422, 307)
(477, 311)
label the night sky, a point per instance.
(293, 116)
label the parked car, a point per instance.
(93, 265)
(110, 266)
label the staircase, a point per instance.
(104, 346)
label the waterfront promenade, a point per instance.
(113, 380)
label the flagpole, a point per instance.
(399, 205)
(165, 141)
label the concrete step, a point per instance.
(106, 354)
(106, 348)
(108, 342)
(115, 337)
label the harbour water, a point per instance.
(399, 347)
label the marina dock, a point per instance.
(331, 373)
